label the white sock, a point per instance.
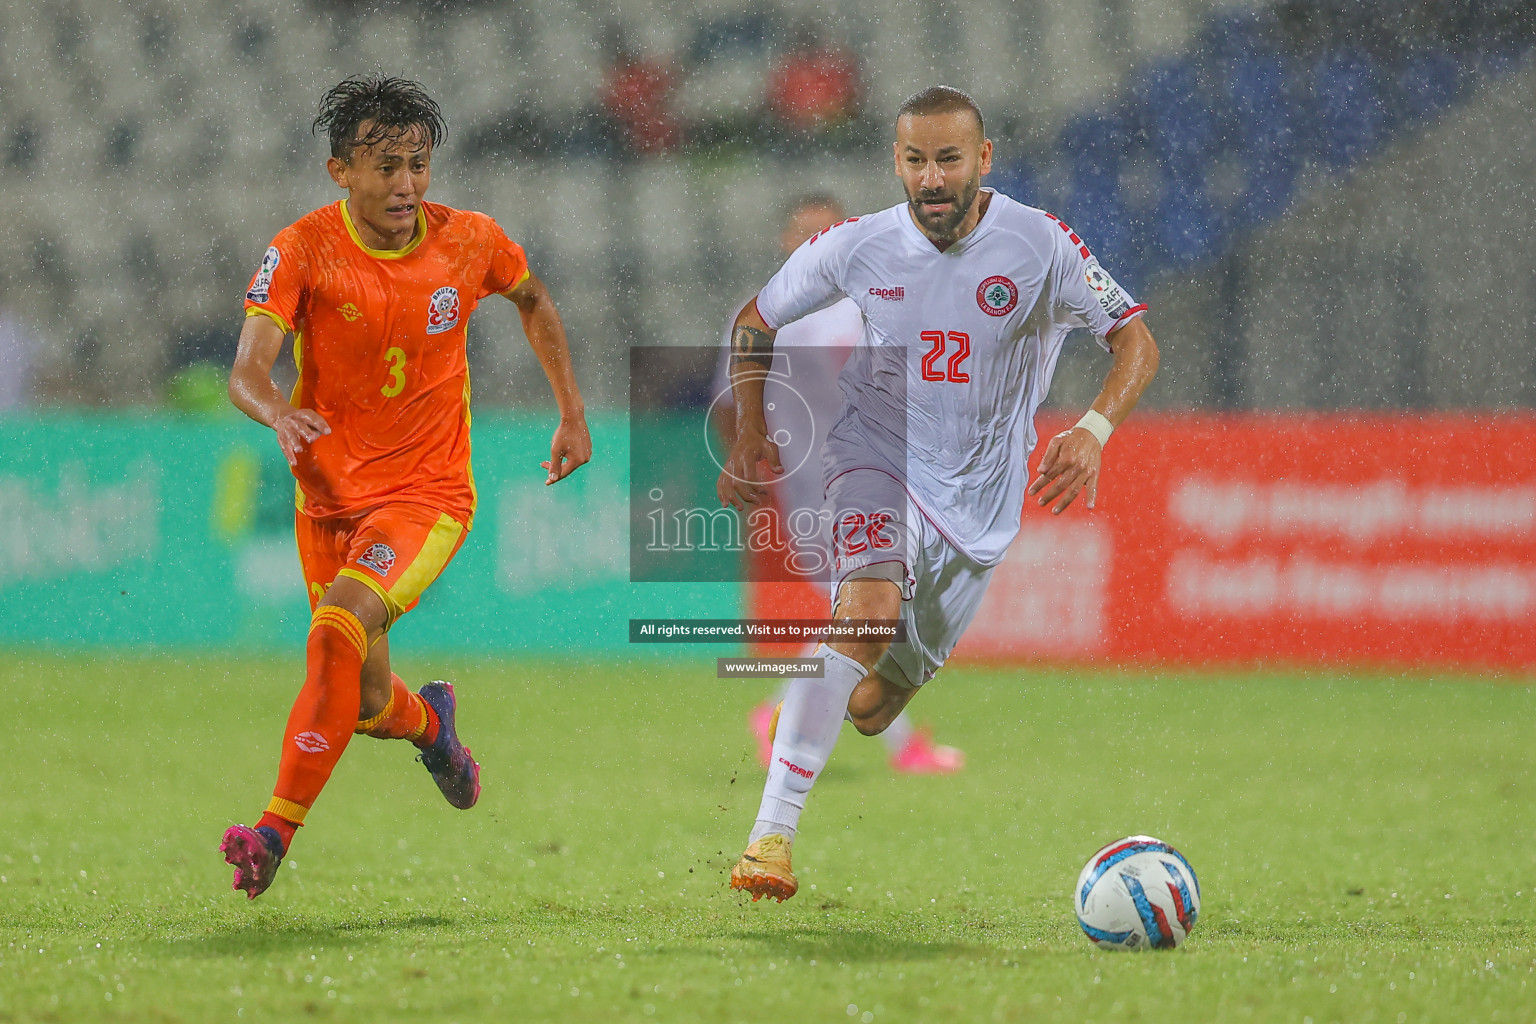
(806, 651)
(897, 733)
(807, 732)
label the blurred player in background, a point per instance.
(377, 289)
(967, 297)
(800, 401)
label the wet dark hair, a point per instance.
(941, 99)
(396, 107)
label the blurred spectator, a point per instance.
(637, 95)
(814, 85)
(16, 346)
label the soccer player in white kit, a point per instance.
(800, 401)
(967, 297)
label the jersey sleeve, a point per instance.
(810, 279)
(281, 282)
(1085, 293)
(509, 264)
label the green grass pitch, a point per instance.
(1366, 846)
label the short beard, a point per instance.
(947, 227)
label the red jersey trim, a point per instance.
(764, 319)
(1133, 311)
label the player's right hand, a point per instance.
(297, 430)
(1070, 466)
(741, 481)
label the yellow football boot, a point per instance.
(764, 869)
(764, 723)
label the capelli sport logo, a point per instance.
(889, 294)
(802, 772)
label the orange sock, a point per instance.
(324, 714)
(405, 717)
(282, 826)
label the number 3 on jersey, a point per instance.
(396, 359)
(951, 371)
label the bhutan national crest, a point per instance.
(443, 313)
(379, 557)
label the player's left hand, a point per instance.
(1069, 467)
(571, 447)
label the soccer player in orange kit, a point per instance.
(376, 290)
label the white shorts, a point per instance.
(877, 533)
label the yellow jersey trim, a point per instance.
(527, 273)
(294, 400)
(274, 317)
(442, 542)
(387, 254)
(469, 464)
(298, 364)
(392, 611)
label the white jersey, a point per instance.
(958, 351)
(801, 398)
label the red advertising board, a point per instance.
(1383, 539)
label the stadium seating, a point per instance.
(1276, 107)
(155, 148)
(1348, 117)
(1427, 84)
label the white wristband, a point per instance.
(1097, 424)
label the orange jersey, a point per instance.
(379, 342)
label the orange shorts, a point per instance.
(395, 550)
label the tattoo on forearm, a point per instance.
(750, 345)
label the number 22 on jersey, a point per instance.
(940, 340)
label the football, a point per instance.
(1137, 893)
